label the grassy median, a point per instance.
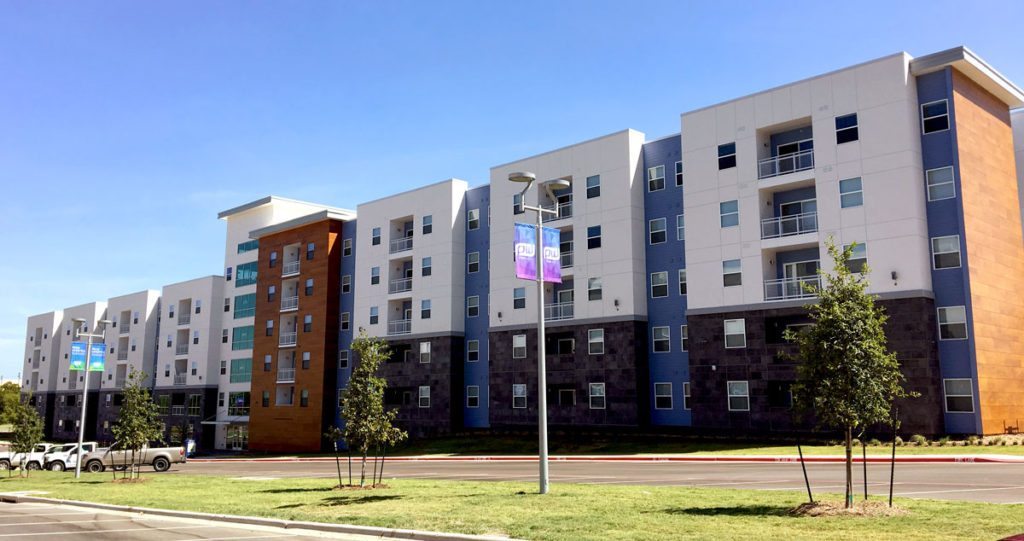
(570, 512)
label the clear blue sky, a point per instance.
(126, 126)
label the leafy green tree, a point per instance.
(10, 398)
(28, 430)
(138, 421)
(847, 376)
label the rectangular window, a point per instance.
(846, 128)
(305, 360)
(656, 231)
(739, 395)
(946, 252)
(375, 236)
(597, 398)
(223, 368)
(593, 237)
(659, 284)
(729, 213)
(472, 351)
(273, 259)
(682, 281)
(346, 247)
(227, 304)
(684, 338)
(472, 306)
(680, 227)
(227, 274)
(595, 341)
(309, 287)
(424, 396)
(224, 336)
(851, 193)
(374, 315)
(519, 298)
(245, 306)
(343, 358)
(245, 274)
(656, 178)
(241, 370)
(426, 267)
(519, 346)
(425, 309)
(248, 246)
(662, 396)
(304, 399)
(428, 224)
(660, 340)
(271, 292)
(424, 352)
(726, 156)
(266, 399)
(594, 289)
(346, 283)
(940, 183)
(374, 276)
(307, 323)
(858, 259)
(517, 204)
(241, 338)
(472, 396)
(269, 328)
(473, 262)
(518, 396)
(686, 395)
(310, 251)
(238, 403)
(935, 116)
(953, 323)
(473, 219)
(959, 395)
(346, 321)
(731, 273)
(735, 333)
(593, 186)
(679, 173)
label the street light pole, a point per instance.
(85, 387)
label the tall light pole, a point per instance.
(542, 383)
(101, 324)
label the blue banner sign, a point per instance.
(77, 356)
(525, 248)
(96, 357)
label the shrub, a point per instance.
(972, 440)
(995, 441)
(856, 442)
(874, 442)
(899, 441)
(918, 439)
(943, 441)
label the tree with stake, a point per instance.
(333, 435)
(28, 430)
(138, 421)
(846, 377)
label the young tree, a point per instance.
(10, 399)
(28, 431)
(846, 377)
(138, 421)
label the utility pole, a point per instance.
(85, 387)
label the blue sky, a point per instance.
(126, 126)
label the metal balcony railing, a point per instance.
(558, 311)
(181, 349)
(400, 285)
(566, 260)
(290, 303)
(562, 210)
(401, 245)
(286, 375)
(238, 410)
(177, 410)
(184, 319)
(290, 268)
(786, 163)
(791, 288)
(180, 379)
(122, 355)
(119, 382)
(401, 326)
(125, 328)
(784, 226)
(288, 339)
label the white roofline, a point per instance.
(566, 147)
(971, 65)
(300, 221)
(411, 190)
(272, 198)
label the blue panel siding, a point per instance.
(348, 266)
(672, 366)
(799, 194)
(478, 283)
(946, 217)
(794, 256)
(791, 136)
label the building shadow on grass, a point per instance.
(733, 511)
(289, 506)
(297, 490)
(350, 500)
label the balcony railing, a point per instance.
(184, 319)
(177, 410)
(290, 268)
(401, 245)
(786, 163)
(562, 210)
(125, 328)
(119, 382)
(784, 226)
(285, 375)
(290, 303)
(179, 379)
(401, 326)
(181, 349)
(238, 410)
(566, 260)
(122, 355)
(400, 286)
(288, 339)
(558, 311)
(791, 288)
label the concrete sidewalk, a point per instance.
(875, 459)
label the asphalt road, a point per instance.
(995, 483)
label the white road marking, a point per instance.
(959, 490)
(70, 522)
(107, 531)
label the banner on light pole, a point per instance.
(525, 250)
(97, 356)
(77, 357)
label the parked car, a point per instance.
(160, 458)
(65, 456)
(31, 461)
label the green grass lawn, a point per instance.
(570, 512)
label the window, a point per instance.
(472, 306)
(246, 274)
(241, 338)
(946, 252)
(935, 116)
(271, 292)
(238, 403)
(519, 346)
(593, 237)
(273, 259)
(519, 298)
(343, 358)
(735, 333)
(680, 227)
(472, 351)
(473, 219)
(726, 156)
(248, 246)
(424, 352)
(518, 396)
(473, 262)
(309, 287)
(223, 368)
(729, 213)
(346, 247)
(682, 281)
(679, 173)
(656, 178)
(662, 396)
(425, 309)
(851, 193)
(305, 360)
(953, 323)
(374, 315)
(346, 283)
(517, 204)
(684, 338)
(245, 306)
(594, 289)
(656, 231)
(659, 284)
(227, 304)
(428, 224)
(424, 396)
(858, 259)
(472, 396)
(593, 186)
(224, 336)
(270, 328)
(660, 337)
(304, 399)
(375, 236)
(597, 398)
(346, 321)
(595, 341)
(266, 399)
(241, 370)
(739, 395)
(227, 277)
(374, 276)
(846, 128)
(959, 395)
(731, 273)
(940, 183)
(307, 323)
(310, 250)
(686, 395)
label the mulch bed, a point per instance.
(860, 508)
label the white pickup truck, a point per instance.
(160, 458)
(31, 461)
(63, 457)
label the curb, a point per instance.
(919, 459)
(383, 533)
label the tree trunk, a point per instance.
(337, 462)
(362, 471)
(349, 464)
(376, 453)
(383, 456)
(849, 467)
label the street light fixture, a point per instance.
(101, 325)
(542, 398)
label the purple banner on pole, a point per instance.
(525, 246)
(552, 256)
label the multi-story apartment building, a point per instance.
(42, 354)
(1017, 119)
(68, 385)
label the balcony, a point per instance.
(290, 268)
(403, 244)
(289, 303)
(288, 339)
(238, 411)
(184, 319)
(785, 163)
(791, 288)
(122, 355)
(177, 410)
(286, 375)
(400, 286)
(401, 326)
(181, 349)
(179, 379)
(567, 260)
(562, 210)
(125, 328)
(784, 226)
(119, 382)
(558, 311)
